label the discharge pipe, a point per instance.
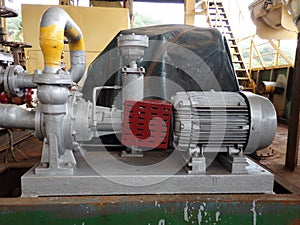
(55, 24)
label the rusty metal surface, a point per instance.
(19, 136)
(102, 200)
(153, 209)
(291, 159)
(25, 146)
(276, 163)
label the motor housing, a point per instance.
(216, 121)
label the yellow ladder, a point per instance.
(217, 18)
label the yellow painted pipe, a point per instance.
(55, 25)
(52, 44)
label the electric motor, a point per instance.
(222, 120)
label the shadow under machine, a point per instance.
(160, 112)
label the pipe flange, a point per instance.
(39, 132)
(56, 79)
(10, 78)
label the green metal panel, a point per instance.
(265, 74)
(278, 71)
(152, 209)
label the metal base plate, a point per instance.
(152, 174)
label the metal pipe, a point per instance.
(55, 24)
(269, 87)
(13, 116)
(95, 99)
(25, 81)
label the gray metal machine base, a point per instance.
(113, 179)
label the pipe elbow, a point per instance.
(55, 25)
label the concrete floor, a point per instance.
(275, 162)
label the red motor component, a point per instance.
(146, 123)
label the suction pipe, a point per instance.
(13, 116)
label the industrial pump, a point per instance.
(183, 107)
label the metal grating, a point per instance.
(146, 123)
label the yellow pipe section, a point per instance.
(78, 45)
(52, 45)
(55, 25)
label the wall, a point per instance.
(98, 24)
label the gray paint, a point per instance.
(87, 182)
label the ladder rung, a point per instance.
(224, 20)
(228, 26)
(239, 61)
(215, 8)
(243, 78)
(215, 2)
(232, 42)
(221, 13)
(240, 70)
(233, 46)
(231, 39)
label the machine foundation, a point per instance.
(103, 179)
